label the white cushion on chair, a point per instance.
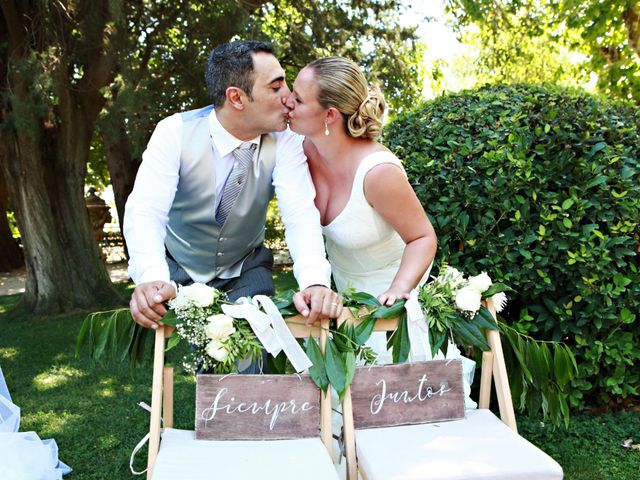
(182, 457)
(479, 447)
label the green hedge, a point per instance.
(540, 187)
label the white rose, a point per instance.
(216, 350)
(199, 294)
(468, 299)
(219, 327)
(480, 282)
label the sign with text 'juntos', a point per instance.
(250, 407)
(410, 393)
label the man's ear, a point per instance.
(236, 97)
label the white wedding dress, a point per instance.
(365, 253)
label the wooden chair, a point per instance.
(480, 446)
(175, 454)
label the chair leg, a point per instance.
(156, 400)
(349, 436)
(167, 397)
(485, 380)
(503, 392)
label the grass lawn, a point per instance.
(90, 409)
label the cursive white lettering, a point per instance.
(269, 408)
(423, 392)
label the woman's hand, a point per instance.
(393, 294)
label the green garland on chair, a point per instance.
(540, 372)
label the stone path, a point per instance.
(13, 282)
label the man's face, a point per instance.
(267, 112)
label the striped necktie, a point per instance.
(242, 159)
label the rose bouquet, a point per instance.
(453, 308)
(218, 341)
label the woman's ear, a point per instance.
(333, 114)
(236, 97)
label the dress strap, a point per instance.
(371, 161)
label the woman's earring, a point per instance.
(326, 128)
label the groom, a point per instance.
(198, 208)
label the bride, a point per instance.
(379, 239)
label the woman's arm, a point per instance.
(388, 191)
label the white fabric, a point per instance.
(23, 456)
(270, 328)
(365, 253)
(147, 209)
(480, 447)
(9, 411)
(181, 456)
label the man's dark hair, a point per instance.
(231, 65)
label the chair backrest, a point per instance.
(305, 400)
(493, 368)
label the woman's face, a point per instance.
(306, 116)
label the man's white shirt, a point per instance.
(148, 206)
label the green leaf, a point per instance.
(596, 148)
(596, 181)
(318, 370)
(336, 370)
(170, 319)
(400, 340)
(350, 366)
(173, 341)
(81, 341)
(496, 288)
(484, 319)
(393, 311)
(362, 298)
(471, 334)
(562, 367)
(364, 330)
(436, 341)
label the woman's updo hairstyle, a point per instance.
(341, 84)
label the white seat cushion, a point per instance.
(478, 447)
(182, 457)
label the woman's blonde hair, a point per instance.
(341, 84)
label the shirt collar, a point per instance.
(223, 140)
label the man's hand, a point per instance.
(147, 301)
(317, 302)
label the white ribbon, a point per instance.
(259, 321)
(141, 443)
(270, 328)
(417, 329)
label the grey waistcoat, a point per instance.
(203, 248)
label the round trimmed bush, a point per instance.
(540, 187)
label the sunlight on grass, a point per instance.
(7, 302)
(50, 423)
(56, 377)
(108, 441)
(107, 392)
(8, 353)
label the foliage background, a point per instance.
(537, 185)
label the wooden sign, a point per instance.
(409, 393)
(249, 407)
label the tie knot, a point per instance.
(246, 146)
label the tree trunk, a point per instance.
(64, 267)
(11, 257)
(47, 153)
(122, 167)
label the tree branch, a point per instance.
(631, 17)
